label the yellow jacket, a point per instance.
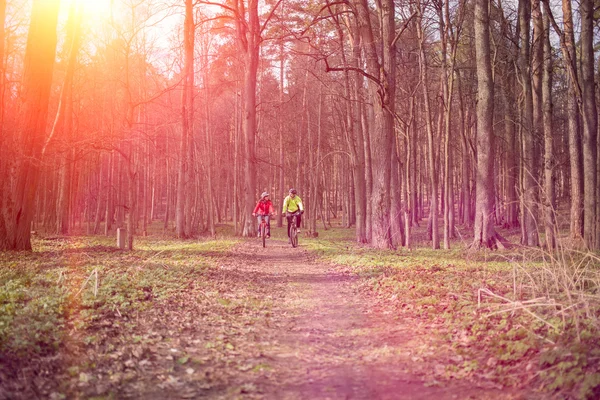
(292, 205)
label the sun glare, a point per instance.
(94, 9)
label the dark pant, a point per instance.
(289, 221)
(268, 219)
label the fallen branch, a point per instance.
(519, 305)
(94, 272)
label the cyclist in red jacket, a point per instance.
(264, 209)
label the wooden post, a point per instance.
(121, 236)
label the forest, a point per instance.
(149, 111)
(447, 153)
(126, 114)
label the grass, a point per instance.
(521, 317)
(74, 283)
(484, 305)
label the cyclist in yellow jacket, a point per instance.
(291, 204)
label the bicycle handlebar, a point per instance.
(298, 212)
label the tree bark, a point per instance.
(448, 89)
(355, 137)
(590, 124)
(549, 193)
(4, 151)
(2, 77)
(396, 223)
(40, 53)
(430, 151)
(537, 68)
(485, 235)
(280, 131)
(248, 37)
(512, 168)
(187, 109)
(573, 116)
(382, 93)
(529, 173)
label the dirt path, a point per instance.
(326, 341)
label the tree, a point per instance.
(64, 122)
(529, 225)
(590, 124)
(382, 89)
(187, 124)
(485, 234)
(18, 203)
(549, 192)
(433, 184)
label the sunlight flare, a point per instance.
(93, 10)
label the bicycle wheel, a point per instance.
(263, 233)
(294, 235)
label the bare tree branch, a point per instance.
(404, 26)
(270, 16)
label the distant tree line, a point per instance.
(384, 115)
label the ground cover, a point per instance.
(225, 318)
(522, 318)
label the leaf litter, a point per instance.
(249, 322)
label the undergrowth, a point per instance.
(70, 285)
(528, 319)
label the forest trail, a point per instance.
(245, 323)
(327, 341)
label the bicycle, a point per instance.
(293, 228)
(263, 230)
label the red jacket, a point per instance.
(264, 208)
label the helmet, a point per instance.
(293, 191)
(263, 195)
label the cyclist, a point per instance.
(264, 209)
(291, 204)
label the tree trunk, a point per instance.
(512, 168)
(64, 121)
(529, 174)
(355, 137)
(382, 133)
(366, 121)
(549, 195)
(110, 196)
(248, 36)
(187, 110)
(4, 151)
(485, 235)
(280, 131)
(448, 89)
(465, 167)
(396, 223)
(537, 67)
(2, 78)
(100, 193)
(573, 116)
(37, 80)
(210, 149)
(598, 162)
(314, 154)
(132, 201)
(590, 123)
(433, 205)
(410, 179)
